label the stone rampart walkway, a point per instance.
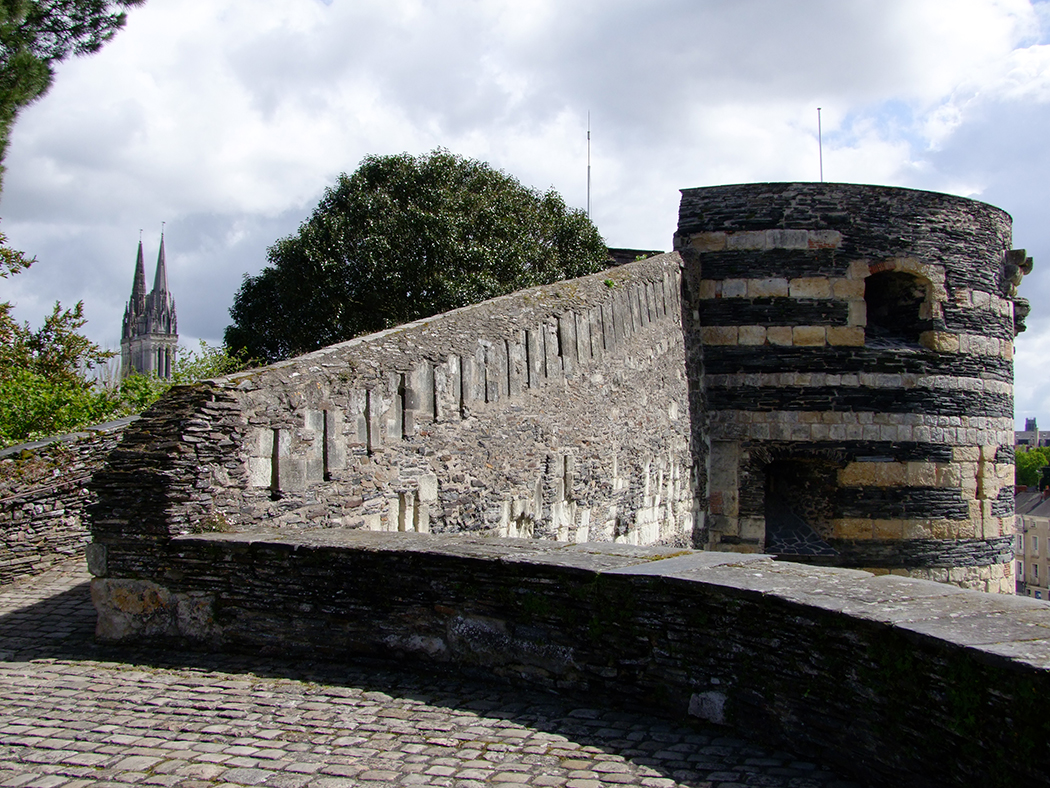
(73, 713)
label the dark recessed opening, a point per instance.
(894, 303)
(799, 506)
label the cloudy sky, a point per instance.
(227, 119)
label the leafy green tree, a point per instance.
(36, 34)
(403, 238)
(206, 362)
(31, 406)
(45, 376)
(1027, 465)
(52, 390)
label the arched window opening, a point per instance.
(799, 507)
(894, 305)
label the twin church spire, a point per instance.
(150, 331)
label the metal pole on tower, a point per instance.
(820, 146)
(588, 165)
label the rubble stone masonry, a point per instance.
(43, 493)
(558, 412)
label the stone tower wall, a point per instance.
(877, 410)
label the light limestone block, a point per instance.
(824, 239)
(847, 336)
(551, 350)
(917, 529)
(810, 287)
(734, 288)
(260, 470)
(779, 335)
(787, 239)
(858, 313)
(772, 287)
(858, 269)
(808, 336)
(719, 335)
(752, 335)
(447, 392)
(873, 474)
(567, 343)
(517, 364)
(851, 528)
(710, 288)
(264, 443)
(752, 240)
(752, 528)
(708, 242)
(940, 341)
(583, 341)
(847, 289)
(293, 474)
(922, 474)
(888, 529)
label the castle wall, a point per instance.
(560, 412)
(857, 345)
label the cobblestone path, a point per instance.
(73, 713)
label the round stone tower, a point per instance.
(857, 382)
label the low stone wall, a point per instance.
(43, 493)
(897, 680)
(559, 412)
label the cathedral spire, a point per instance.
(160, 281)
(138, 287)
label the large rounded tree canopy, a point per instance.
(404, 238)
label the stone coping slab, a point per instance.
(69, 437)
(999, 625)
(594, 556)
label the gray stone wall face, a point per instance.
(43, 495)
(560, 412)
(797, 369)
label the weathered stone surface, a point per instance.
(559, 412)
(43, 494)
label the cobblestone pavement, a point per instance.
(74, 713)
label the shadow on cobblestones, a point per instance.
(201, 719)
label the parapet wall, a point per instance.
(899, 681)
(43, 494)
(559, 412)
